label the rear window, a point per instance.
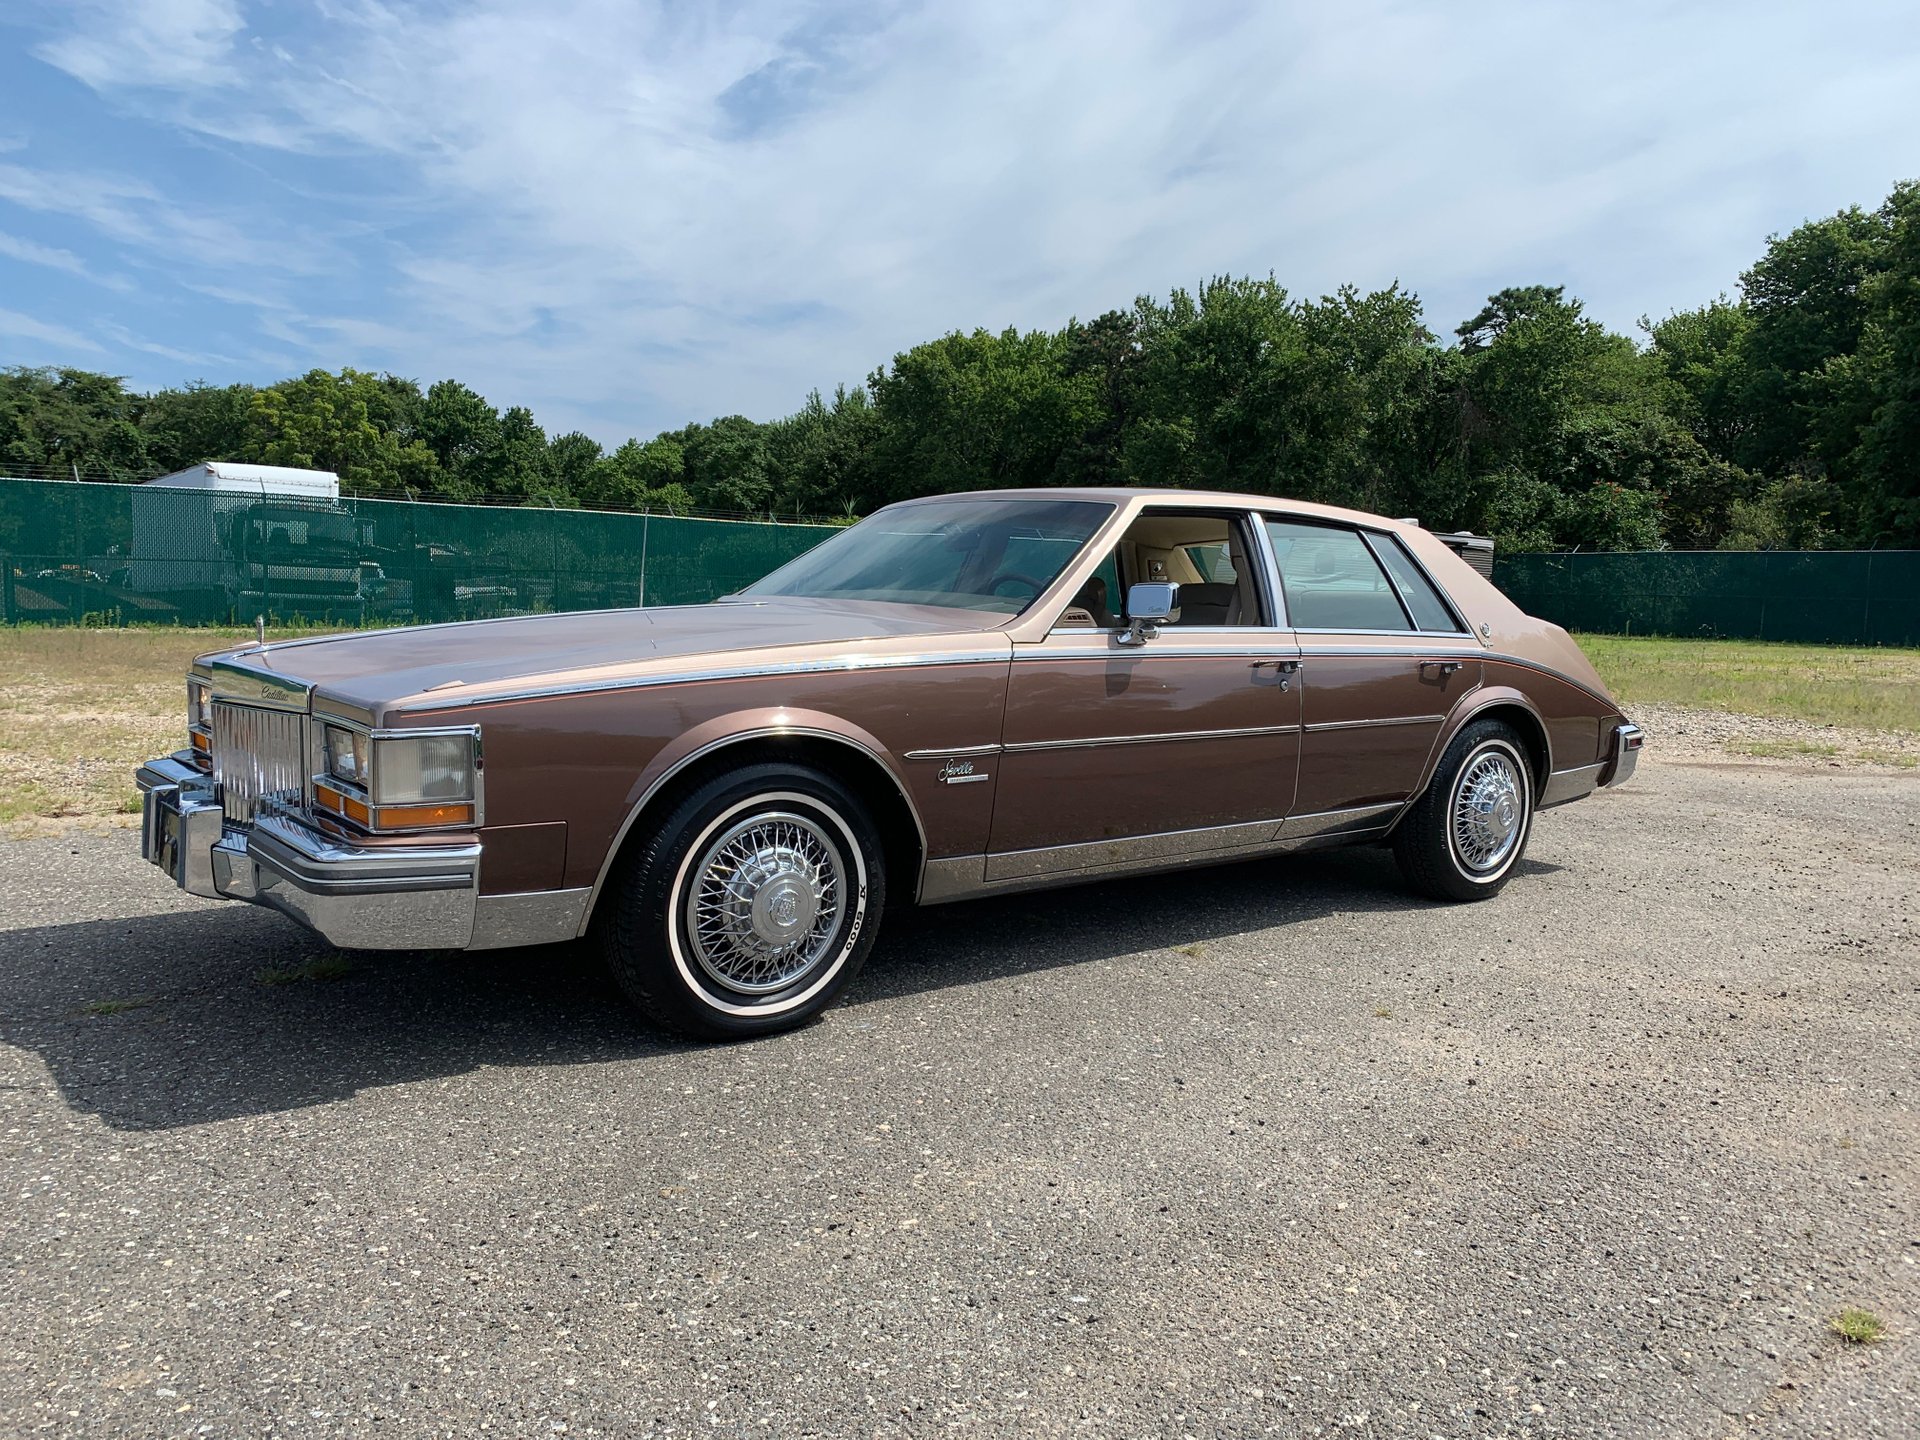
(1430, 612)
(1332, 580)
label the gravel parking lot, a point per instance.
(1273, 1149)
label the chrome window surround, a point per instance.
(1368, 536)
(1376, 539)
(319, 774)
(1259, 555)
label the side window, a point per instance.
(1214, 562)
(1331, 580)
(1101, 597)
(1430, 612)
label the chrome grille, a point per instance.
(257, 753)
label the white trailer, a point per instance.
(268, 536)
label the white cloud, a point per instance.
(25, 327)
(31, 252)
(629, 215)
(148, 42)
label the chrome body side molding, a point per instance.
(465, 699)
(1567, 785)
(966, 877)
(1375, 723)
(1022, 747)
(534, 917)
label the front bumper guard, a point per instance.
(360, 897)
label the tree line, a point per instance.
(1787, 416)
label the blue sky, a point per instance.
(629, 215)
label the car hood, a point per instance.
(481, 659)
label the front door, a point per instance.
(1190, 742)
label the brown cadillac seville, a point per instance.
(957, 697)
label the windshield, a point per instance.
(993, 555)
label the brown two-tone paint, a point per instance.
(1003, 736)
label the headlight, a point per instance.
(199, 704)
(427, 781)
(346, 754)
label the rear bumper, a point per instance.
(359, 897)
(1628, 740)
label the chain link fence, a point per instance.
(1827, 597)
(107, 554)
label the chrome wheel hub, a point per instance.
(1489, 806)
(765, 902)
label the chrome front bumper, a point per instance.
(1627, 743)
(360, 897)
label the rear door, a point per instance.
(1384, 659)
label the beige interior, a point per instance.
(1154, 548)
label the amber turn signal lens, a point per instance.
(421, 817)
(342, 803)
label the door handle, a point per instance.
(1287, 669)
(1442, 668)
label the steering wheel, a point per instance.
(1014, 576)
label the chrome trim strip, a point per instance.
(958, 877)
(956, 753)
(1323, 823)
(1269, 566)
(965, 779)
(1251, 836)
(1021, 747)
(253, 685)
(466, 700)
(1279, 649)
(329, 708)
(969, 877)
(1374, 724)
(1406, 636)
(534, 917)
(620, 836)
(1134, 849)
(1566, 785)
(1373, 539)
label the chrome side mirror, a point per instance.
(1147, 605)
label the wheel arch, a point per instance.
(1496, 703)
(820, 742)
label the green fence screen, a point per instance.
(129, 554)
(1835, 597)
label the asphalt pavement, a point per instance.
(1268, 1149)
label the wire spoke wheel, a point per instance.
(765, 902)
(1488, 814)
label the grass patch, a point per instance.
(116, 1007)
(1874, 688)
(1192, 951)
(81, 708)
(1857, 1326)
(327, 967)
